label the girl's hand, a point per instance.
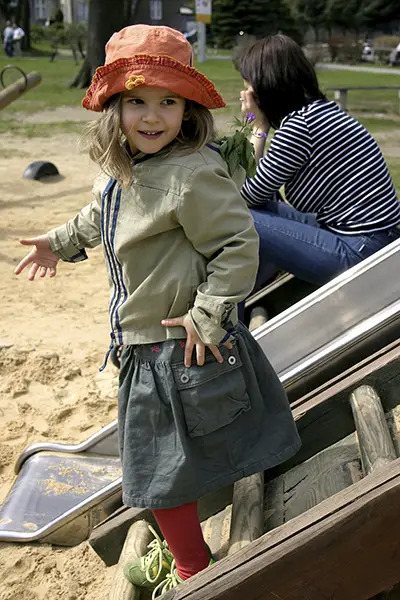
(41, 258)
(193, 340)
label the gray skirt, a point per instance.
(184, 432)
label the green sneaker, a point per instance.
(151, 569)
(171, 580)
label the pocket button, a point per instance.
(232, 360)
(184, 378)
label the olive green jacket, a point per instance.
(179, 239)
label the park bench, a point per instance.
(341, 93)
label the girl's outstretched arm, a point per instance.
(41, 258)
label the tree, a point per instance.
(253, 17)
(380, 12)
(344, 14)
(105, 17)
(311, 13)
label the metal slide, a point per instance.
(62, 491)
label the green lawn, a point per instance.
(378, 110)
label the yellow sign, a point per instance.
(203, 11)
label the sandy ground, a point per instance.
(53, 335)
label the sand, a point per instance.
(53, 336)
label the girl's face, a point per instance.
(151, 118)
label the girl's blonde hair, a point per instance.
(108, 146)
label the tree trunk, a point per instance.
(105, 17)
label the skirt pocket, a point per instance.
(213, 395)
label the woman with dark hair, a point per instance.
(341, 205)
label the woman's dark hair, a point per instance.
(282, 78)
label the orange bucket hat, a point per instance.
(152, 56)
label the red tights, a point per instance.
(180, 526)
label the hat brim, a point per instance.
(158, 71)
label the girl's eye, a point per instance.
(169, 101)
(135, 101)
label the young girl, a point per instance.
(342, 206)
(199, 405)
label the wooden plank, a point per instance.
(376, 445)
(247, 523)
(323, 419)
(274, 503)
(308, 558)
(312, 481)
(216, 532)
(322, 476)
(393, 421)
(108, 537)
(139, 536)
(16, 89)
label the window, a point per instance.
(156, 10)
(40, 10)
(82, 10)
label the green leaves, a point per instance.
(237, 150)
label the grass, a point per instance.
(378, 110)
(53, 91)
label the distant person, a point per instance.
(341, 205)
(8, 37)
(199, 405)
(18, 34)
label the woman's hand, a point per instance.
(249, 106)
(41, 258)
(194, 341)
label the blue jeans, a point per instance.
(293, 241)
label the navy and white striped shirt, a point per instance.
(330, 166)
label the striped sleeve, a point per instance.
(290, 149)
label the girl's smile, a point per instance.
(151, 118)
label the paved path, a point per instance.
(339, 67)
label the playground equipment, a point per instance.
(63, 490)
(14, 90)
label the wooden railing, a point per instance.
(341, 93)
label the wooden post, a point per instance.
(139, 536)
(376, 444)
(258, 317)
(16, 89)
(341, 98)
(247, 512)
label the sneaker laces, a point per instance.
(157, 548)
(171, 581)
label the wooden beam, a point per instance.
(345, 548)
(376, 445)
(139, 536)
(247, 522)
(19, 87)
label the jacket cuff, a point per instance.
(207, 328)
(62, 246)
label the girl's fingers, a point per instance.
(28, 241)
(188, 353)
(52, 271)
(200, 354)
(228, 345)
(172, 322)
(24, 262)
(42, 271)
(216, 353)
(32, 271)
